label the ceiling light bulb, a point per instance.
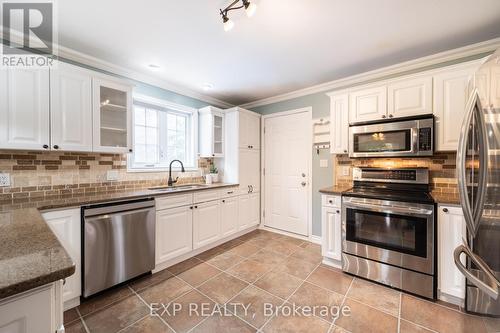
(250, 9)
(228, 24)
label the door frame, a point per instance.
(307, 110)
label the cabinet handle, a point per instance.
(230, 192)
(45, 146)
(384, 116)
(445, 210)
(56, 147)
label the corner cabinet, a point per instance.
(339, 122)
(451, 230)
(66, 225)
(331, 229)
(112, 116)
(24, 109)
(211, 132)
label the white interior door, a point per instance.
(287, 172)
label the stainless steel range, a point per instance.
(388, 229)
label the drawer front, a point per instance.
(175, 200)
(207, 195)
(229, 192)
(332, 201)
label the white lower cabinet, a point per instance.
(254, 215)
(229, 213)
(451, 230)
(174, 233)
(66, 225)
(249, 211)
(206, 223)
(35, 311)
(331, 228)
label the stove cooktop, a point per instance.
(389, 194)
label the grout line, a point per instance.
(399, 311)
(149, 307)
(343, 302)
(83, 321)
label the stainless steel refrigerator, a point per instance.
(478, 172)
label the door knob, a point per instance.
(303, 184)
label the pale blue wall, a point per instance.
(321, 177)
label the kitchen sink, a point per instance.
(177, 188)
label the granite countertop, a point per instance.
(30, 254)
(335, 189)
(446, 198)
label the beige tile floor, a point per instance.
(259, 268)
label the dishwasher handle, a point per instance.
(118, 207)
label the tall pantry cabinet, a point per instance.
(242, 162)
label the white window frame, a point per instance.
(163, 104)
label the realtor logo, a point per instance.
(28, 34)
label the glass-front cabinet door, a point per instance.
(112, 116)
(218, 121)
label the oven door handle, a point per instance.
(390, 209)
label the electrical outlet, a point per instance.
(346, 171)
(4, 179)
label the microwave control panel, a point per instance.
(425, 139)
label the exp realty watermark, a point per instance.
(28, 34)
(245, 310)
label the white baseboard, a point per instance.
(315, 239)
(285, 233)
(332, 262)
(71, 303)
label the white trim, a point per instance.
(332, 262)
(308, 110)
(315, 239)
(163, 103)
(284, 233)
(432, 60)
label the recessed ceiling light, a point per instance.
(154, 66)
(207, 86)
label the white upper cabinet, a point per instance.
(71, 108)
(409, 97)
(211, 132)
(249, 130)
(451, 92)
(112, 116)
(24, 109)
(339, 122)
(368, 104)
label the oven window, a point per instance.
(383, 141)
(406, 234)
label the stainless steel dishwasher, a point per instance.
(118, 243)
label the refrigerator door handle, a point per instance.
(490, 287)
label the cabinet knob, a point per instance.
(345, 150)
(223, 201)
(445, 210)
(56, 147)
(390, 116)
(45, 146)
(196, 207)
(330, 201)
(191, 207)
(384, 116)
(130, 150)
(338, 211)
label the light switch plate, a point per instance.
(112, 175)
(4, 179)
(346, 171)
(323, 163)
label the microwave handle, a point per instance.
(414, 140)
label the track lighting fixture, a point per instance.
(250, 9)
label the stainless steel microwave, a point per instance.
(396, 138)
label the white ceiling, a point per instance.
(287, 45)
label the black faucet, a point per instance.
(170, 180)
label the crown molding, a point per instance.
(85, 59)
(78, 57)
(411, 65)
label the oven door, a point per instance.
(395, 233)
(384, 140)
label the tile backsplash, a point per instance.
(37, 174)
(442, 169)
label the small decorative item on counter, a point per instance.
(214, 173)
(208, 179)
